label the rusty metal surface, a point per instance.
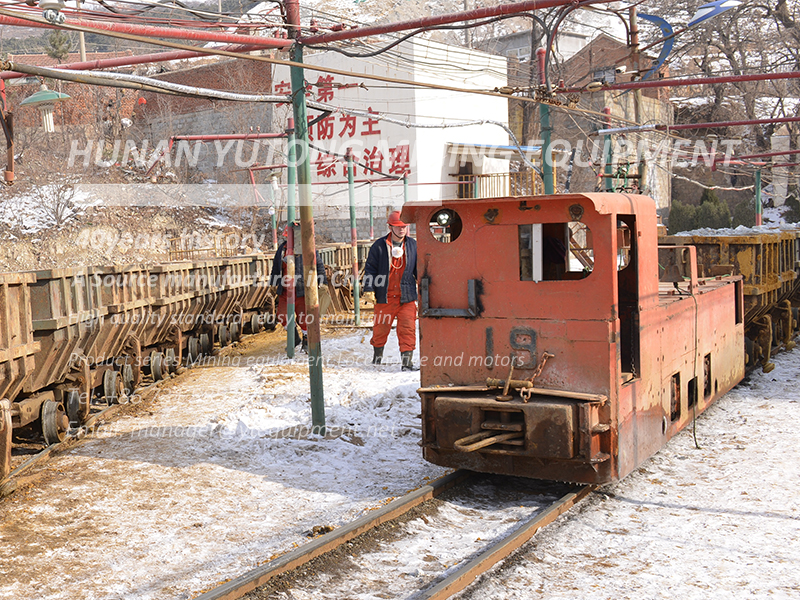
(66, 309)
(620, 340)
(17, 344)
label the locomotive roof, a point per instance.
(604, 203)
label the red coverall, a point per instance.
(299, 306)
(385, 314)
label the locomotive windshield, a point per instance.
(555, 251)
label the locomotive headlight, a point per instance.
(443, 218)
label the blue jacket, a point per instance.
(376, 271)
(276, 276)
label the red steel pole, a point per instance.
(768, 154)
(228, 136)
(158, 32)
(728, 123)
(635, 85)
(468, 15)
(124, 61)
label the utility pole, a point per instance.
(306, 222)
(351, 189)
(529, 107)
(758, 197)
(637, 94)
(547, 129)
(81, 40)
(608, 156)
(291, 178)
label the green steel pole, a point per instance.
(291, 176)
(307, 232)
(351, 186)
(758, 197)
(547, 130)
(371, 228)
(273, 218)
(607, 154)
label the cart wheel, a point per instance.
(236, 334)
(111, 386)
(127, 379)
(255, 324)
(77, 407)
(193, 350)
(224, 336)
(170, 360)
(157, 365)
(54, 422)
(205, 344)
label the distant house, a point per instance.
(160, 116)
(607, 60)
(518, 45)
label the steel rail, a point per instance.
(500, 550)
(236, 588)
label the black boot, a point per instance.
(304, 344)
(406, 358)
(377, 355)
(298, 337)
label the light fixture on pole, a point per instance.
(45, 100)
(712, 9)
(51, 11)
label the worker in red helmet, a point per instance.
(391, 273)
(279, 280)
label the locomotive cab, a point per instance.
(542, 347)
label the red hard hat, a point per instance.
(395, 221)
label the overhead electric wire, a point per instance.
(266, 59)
(403, 38)
(125, 80)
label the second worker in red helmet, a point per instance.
(391, 273)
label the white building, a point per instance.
(430, 156)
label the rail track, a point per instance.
(328, 551)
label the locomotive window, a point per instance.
(445, 225)
(623, 245)
(555, 251)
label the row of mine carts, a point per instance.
(77, 336)
(769, 263)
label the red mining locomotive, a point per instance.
(552, 343)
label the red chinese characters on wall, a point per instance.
(325, 88)
(375, 160)
(399, 161)
(326, 165)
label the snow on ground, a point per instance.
(167, 504)
(34, 211)
(720, 521)
(211, 484)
